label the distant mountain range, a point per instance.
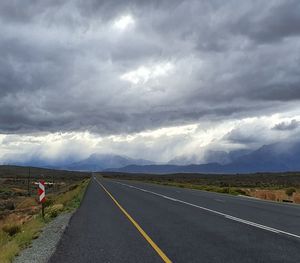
(277, 157)
(99, 162)
(210, 156)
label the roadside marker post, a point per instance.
(42, 195)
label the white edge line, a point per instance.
(233, 218)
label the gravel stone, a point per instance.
(44, 246)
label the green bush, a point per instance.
(237, 191)
(9, 206)
(224, 190)
(53, 213)
(55, 210)
(290, 191)
(11, 229)
(48, 202)
(72, 187)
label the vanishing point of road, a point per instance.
(124, 221)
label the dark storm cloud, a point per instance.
(279, 21)
(242, 137)
(287, 126)
(61, 64)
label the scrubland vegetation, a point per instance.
(20, 213)
(282, 187)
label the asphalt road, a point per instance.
(184, 225)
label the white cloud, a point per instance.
(159, 145)
(143, 74)
(124, 22)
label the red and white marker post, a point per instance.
(42, 195)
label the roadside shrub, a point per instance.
(6, 193)
(11, 229)
(225, 190)
(240, 191)
(223, 184)
(48, 202)
(72, 187)
(55, 210)
(290, 191)
(53, 213)
(9, 206)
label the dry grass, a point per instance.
(12, 242)
(8, 252)
(276, 195)
(296, 197)
(11, 245)
(72, 198)
(27, 202)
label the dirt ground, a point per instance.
(274, 195)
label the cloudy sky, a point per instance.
(147, 79)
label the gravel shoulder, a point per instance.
(44, 246)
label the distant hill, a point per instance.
(278, 157)
(34, 172)
(95, 162)
(168, 168)
(37, 161)
(98, 162)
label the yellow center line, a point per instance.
(137, 226)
